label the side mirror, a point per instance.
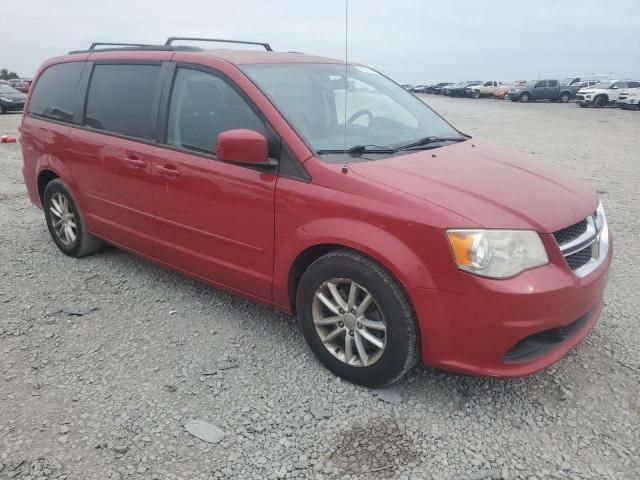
(242, 146)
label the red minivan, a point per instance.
(325, 191)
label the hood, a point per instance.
(490, 186)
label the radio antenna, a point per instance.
(346, 70)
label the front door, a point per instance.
(111, 156)
(215, 219)
(540, 90)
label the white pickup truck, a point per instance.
(483, 89)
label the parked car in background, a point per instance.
(629, 99)
(22, 84)
(393, 237)
(438, 88)
(458, 90)
(11, 100)
(406, 86)
(604, 93)
(419, 89)
(589, 83)
(483, 89)
(542, 90)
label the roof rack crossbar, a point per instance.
(266, 46)
(110, 44)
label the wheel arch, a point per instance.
(49, 167)
(314, 252)
(44, 178)
(402, 263)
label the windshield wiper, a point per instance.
(423, 142)
(356, 149)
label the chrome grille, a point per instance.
(570, 233)
(585, 244)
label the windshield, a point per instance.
(7, 89)
(378, 112)
(603, 85)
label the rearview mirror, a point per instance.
(242, 146)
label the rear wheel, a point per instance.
(357, 319)
(524, 98)
(66, 225)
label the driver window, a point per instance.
(541, 84)
(203, 106)
(364, 103)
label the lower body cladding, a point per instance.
(509, 328)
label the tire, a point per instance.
(524, 98)
(582, 105)
(475, 94)
(600, 101)
(397, 350)
(58, 202)
(565, 97)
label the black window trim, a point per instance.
(274, 140)
(154, 106)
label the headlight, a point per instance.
(600, 217)
(497, 253)
(587, 96)
(5, 99)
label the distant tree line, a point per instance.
(5, 74)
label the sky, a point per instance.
(411, 41)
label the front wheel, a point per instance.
(600, 102)
(564, 98)
(357, 319)
(524, 98)
(475, 94)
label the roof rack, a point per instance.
(105, 44)
(170, 41)
(136, 47)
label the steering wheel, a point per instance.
(358, 114)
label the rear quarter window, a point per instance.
(55, 95)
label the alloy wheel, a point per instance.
(349, 322)
(63, 219)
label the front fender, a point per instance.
(387, 249)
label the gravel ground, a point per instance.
(103, 360)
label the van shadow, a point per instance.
(423, 385)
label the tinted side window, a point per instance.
(541, 84)
(55, 93)
(203, 106)
(553, 83)
(634, 84)
(121, 99)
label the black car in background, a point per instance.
(437, 88)
(11, 100)
(458, 90)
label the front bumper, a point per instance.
(12, 107)
(494, 328)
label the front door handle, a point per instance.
(168, 171)
(134, 161)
